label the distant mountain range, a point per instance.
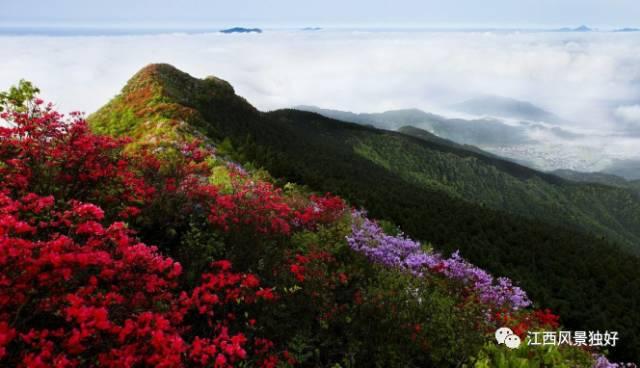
(600, 178)
(469, 132)
(539, 145)
(582, 28)
(241, 30)
(495, 106)
(483, 132)
(628, 169)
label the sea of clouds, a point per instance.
(590, 79)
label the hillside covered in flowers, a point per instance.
(155, 249)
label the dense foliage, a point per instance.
(466, 172)
(305, 285)
(591, 283)
(78, 288)
(498, 184)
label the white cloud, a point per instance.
(629, 114)
(363, 71)
(577, 76)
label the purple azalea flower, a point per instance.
(399, 251)
(602, 362)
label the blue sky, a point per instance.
(497, 13)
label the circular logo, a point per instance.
(502, 333)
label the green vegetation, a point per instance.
(552, 236)
(506, 186)
(494, 356)
(19, 98)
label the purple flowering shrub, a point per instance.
(399, 251)
(602, 362)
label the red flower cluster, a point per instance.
(262, 206)
(312, 265)
(298, 268)
(75, 292)
(44, 153)
(525, 320)
(322, 210)
(256, 204)
(547, 318)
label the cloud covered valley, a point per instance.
(590, 81)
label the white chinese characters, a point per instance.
(576, 338)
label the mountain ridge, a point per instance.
(421, 190)
(162, 92)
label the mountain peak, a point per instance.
(153, 74)
(174, 82)
(160, 93)
(156, 68)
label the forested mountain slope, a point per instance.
(547, 233)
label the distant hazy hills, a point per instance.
(241, 30)
(600, 178)
(470, 132)
(629, 169)
(582, 28)
(507, 108)
(479, 132)
(522, 133)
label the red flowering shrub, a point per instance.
(43, 153)
(314, 265)
(80, 289)
(257, 204)
(75, 292)
(547, 318)
(321, 210)
(523, 321)
(264, 207)
(153, 188)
